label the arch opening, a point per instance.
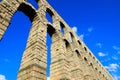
(50, 32)
(67, 45)
(85, 59)
(96, 69)
(49, 15)
(14, 43)
(78, 54)
(48, 43)
(93, 57)
(85, 49)
(91, 65)
(27, 10)
(90, 54)
(62, 27)
(72, 37)
(25, 15)
(79, 42)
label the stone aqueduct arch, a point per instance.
(71, 59)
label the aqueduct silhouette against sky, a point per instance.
(70, 57)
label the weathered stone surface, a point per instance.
(70, 57)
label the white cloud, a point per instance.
(90, 29)
(112, 67)
(74, 29)
(2, 77)
(81, 36)
(101, 54)
(114, 57)
(48, 78)
(116, 48)
(99, 45)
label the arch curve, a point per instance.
(49, 11)
(28, 10)
(62, 27)
(49, 15)
(50, 29)
(25, 7)
(72, 37)
(79, 42)
(67, 44)
(78, 53)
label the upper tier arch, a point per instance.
(9, 8)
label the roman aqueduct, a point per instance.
(70, 57)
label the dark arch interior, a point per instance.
(100, 72)
(50, 12)
(85, 48)
(85, 58)
(95, 68)
(72, 37)
(94, 58)
(62, 27)
(78, 54)
(37, 1)
(97, 61)
(103, 75)
(90, 54)
(79, 42)
(49, 15)
(66, 43)
(27, 10)
(50, 30)
(91, 64)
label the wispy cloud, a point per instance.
(82, 36)
(99, 45)
(116, 77)
(117, 49)
(6, 60)
(115, 57)
(2, 77)
(90, 29)
(74, 29)
(112, 67)
(48, 78)
(101, 54)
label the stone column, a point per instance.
(59, 64)
(77, 66)
(33, 65)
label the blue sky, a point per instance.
(96, 22)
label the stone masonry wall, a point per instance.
(71, 59)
